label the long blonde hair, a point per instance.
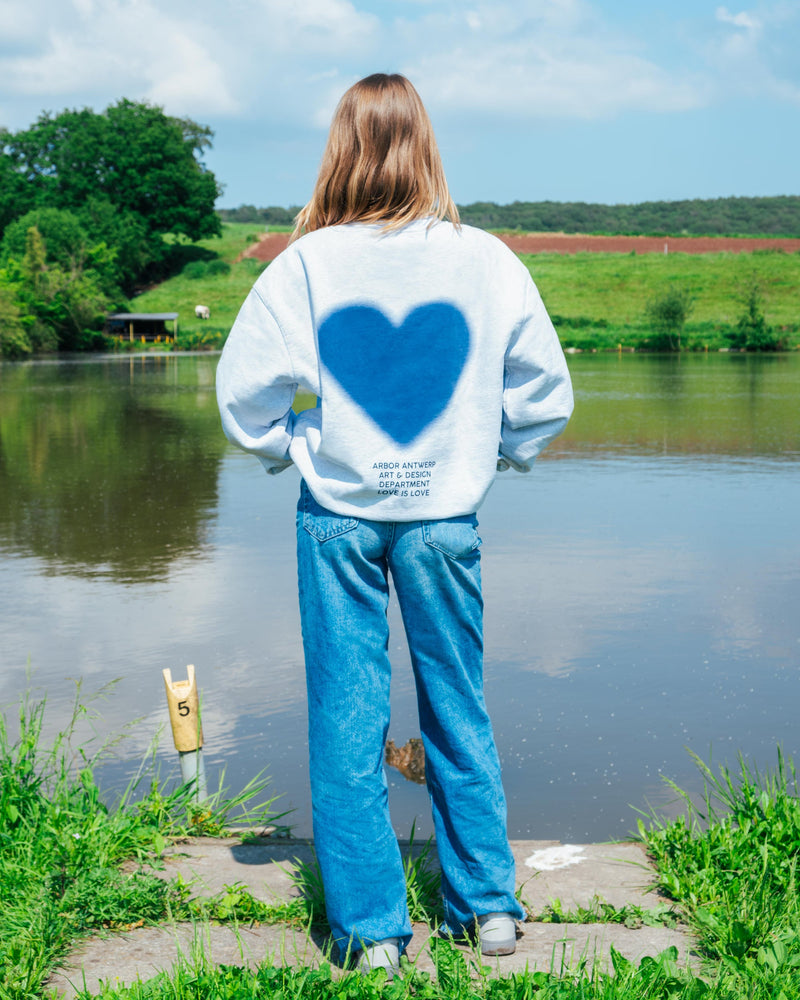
(381, 162)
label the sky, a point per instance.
(611, 101)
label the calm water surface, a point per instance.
(642, 585)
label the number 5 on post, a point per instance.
(184, 716)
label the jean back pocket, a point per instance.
(320, 522)
(457, 537)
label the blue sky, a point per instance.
(569, 100)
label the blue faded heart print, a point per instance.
(402, 376)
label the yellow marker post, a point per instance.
(187, 732)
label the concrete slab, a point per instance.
(616, 873)
(263, 868)
(619, 874)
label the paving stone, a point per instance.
(615, 873)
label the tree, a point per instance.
(667, 315)
(57, 305)
(752, 332)
(14, 339)
(66, 243)
(15, 196)
(132, 155)
(60, 231)
(85, 199)
(134, 249)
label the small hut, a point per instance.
(142, 326)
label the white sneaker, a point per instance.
(497, 934)
(381, 955)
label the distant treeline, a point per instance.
(272, 216)
(715, 216)
(779, 216)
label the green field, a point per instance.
(601, 297)
(598, 300)
(222, 293)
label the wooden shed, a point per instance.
(142, 326)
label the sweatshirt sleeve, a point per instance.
(256, 386)
(537, 392)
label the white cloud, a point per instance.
(473, 19)
(104, 49)
(283, 66)
(191, 79)
(554, 621)
(526, 80)
(192, 59)
(755, 55)
(327, 26)
(525, 60)
(547, 59)
(741, 20)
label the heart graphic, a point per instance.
(401, 376)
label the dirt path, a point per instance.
(271, 244)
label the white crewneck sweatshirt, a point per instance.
(432, 356)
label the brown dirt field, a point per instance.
(271, 244)
(575, 243)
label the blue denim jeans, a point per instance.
(343, 568)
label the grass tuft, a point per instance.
(731, 863)
(601, 912)
(61, 848)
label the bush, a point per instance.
(577, 322)
(218, 266)
(57, 307)
(64, 238)
(14, 339)
(195, 270)
(43, 338)
(667, 315)
(752, 332)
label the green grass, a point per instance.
(234, 239)
(62, 847)
(601, 912)
(222, 293)
(68, 867)
(459, 976)
(600, 299)
(597, 300)
(732, 865)
(617, 287)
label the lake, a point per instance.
(642, 585)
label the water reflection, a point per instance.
(108, 469)
(641, 586)
(705, 405)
